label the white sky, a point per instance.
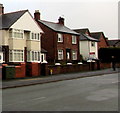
(97, 15)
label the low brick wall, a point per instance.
(33, 69)
(20, 71)
(0, 72)
(105, 65)
(66, 69)
(118, 65)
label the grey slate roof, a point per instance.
(96, 35)
(84, 37)
(81, 30)
(43, 50)
(58, 27)
(113, 42)
(8, 19)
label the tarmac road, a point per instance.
(98, 93)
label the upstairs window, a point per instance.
(60, 37)
(35, 36)
(74, 39)
(16, 33)
(93, 44)
(60, 54)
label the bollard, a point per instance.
(51, 71)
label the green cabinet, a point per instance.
(8, 72)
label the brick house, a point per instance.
(61, 43)
(87, 44)
(114, 43)
(83, 31)
(102, 39)
(21, 40)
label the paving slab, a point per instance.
(54, 78)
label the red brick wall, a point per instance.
(20, 71)
(33, 69)
(102, 65)
(102, 43)
(67, 43)
(67, 69)
(105, 65)
(49, 42)
(0, 72)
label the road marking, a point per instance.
(38, 98)
(34, 99)
(115, 82)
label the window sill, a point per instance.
(33, 40)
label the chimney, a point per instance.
(61, 20)
(1, 9)
(37, 15)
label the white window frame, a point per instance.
(92, 44)
(16, 55)
(33, 56)
(35, 36)
(74, 39)
(60, 54)
(92, 56)
(74, 55)
(60, 37)
(16, 33)
(1, 57)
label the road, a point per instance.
(98, 93)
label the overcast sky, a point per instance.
(97, 15)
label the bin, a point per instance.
(8, 72)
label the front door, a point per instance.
(68, 54)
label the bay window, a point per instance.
(16, 55)
(16, 33)
(35, 36)
(33, 56)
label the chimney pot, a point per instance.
(61, 20)
(1, 9)
(37, 15)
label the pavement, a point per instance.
(54, 78)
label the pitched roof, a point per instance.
(84, 37)
(96, 35)
(58, 27)
(81, 30)
(9, 19)
(113, 42)
(43, 50)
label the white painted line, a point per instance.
(34, 99)
(38, 98)
(115, 82)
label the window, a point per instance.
(93, 44)
(74, 39)
(60, 37)
(33, 56)
(92, 55)
(16, 55)
(43, 57)
(35, 36)
(74, 55)
(60, 54)
(16, 33)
